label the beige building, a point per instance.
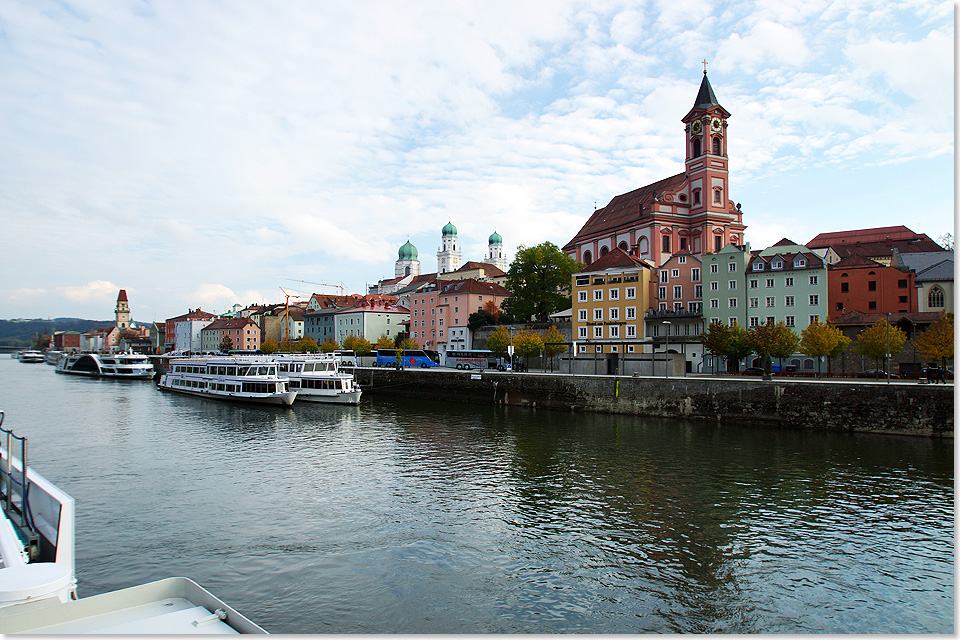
(610, 298)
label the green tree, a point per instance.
(498, 341)
(226, 344)
(553, 335)
(539, 281)
(408, 343)
(307, 344)
(785, 342)
(820, 339)
(716, 339)
(288, 346)
(384, 342)
(269, 346)
(936, 341)
(329, 345)
(762, 339)
(872, 341)
(479, 319)
(41, 341)
(739, 346)
(528, 343)
(362, 347)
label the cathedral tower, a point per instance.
(407, 262)
(123, 310)
(495, 255)
(448, 257)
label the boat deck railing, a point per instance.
(15, 490)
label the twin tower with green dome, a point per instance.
(448, 256)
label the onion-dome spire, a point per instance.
(495, 238)
(407, 252)
(449, 230)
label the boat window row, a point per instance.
(307, 367)
(264, 387)
(312, 383)
(189, 384)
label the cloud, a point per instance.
(96, 291)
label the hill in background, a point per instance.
(19, 333)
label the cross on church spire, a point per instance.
(704, 66)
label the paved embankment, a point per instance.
(904, 408)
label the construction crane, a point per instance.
(286, 311)
(340, 286)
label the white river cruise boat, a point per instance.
(237, 378)
(318, 378)
(30, 355)
(38, 584)
(118, 365)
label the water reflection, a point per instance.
(435, 517)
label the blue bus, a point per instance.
(411, 358)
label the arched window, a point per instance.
(696, 148)
(716, 146)
(604, 251)
(587, 257)
(717, 196)
(643, 247)
(696, 196)
(623, 245)
(935, 299)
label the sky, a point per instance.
(200, 153)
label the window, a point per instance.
(754, 322)
(789, 321)
(714, 268)
(662, 306)
(754, 283)
(901, 284)
(754, 303)
(732, 284)
(696, 192)
(582, 315)
(598, 331)
(714, 304)
(614, 314)
(716, 146)
(682, 259)
(661, 292)
(717, 243)
(631, 293)
(714, 286)
(675, 273)
(814, 319)
(583, 280)
(814, 300)
(582, 296)
(778, 264)
(598, 295)
(598, 314)
(441, 322)
(732, 322)
(769, 282)
(631, 313)
(666, 244)
(758, 266)
(698, 291)
(717, 196)
(614, 331)
(788, 282)
(903, 299)
(799, 263)
(677, 291)
(583, 332)
(872, 305)
(844, 287)
(771, 301)
(839, 306)
(814, 280)
(732, 267)
(935, 297)
(631, 331)
(614, 294)
(732, 303)
(788, 301)
(871, 285)
(695, 274)
(771, 320)
(664, 276)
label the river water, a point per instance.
(416, 517)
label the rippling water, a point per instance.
(421, 517)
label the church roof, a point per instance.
(495, 238)
(705, 97)
(877, 234)
(448, 230)
(123, 296)
(407, 252)
(626, 208)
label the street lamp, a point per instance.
(887, 359)
(666, 352)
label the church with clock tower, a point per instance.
(690, 212)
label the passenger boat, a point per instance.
(318, 378)
(119, 365)
(238, 378)
(52, 357)
(38, 585)
(31, 356)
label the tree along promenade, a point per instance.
(906, 408)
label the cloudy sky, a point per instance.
(200, 153)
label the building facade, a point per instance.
(856, 283)
(691, 211)
(243, 333)
(439, 314)
(186, 337)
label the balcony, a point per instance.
(669, 314)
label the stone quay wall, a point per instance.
(909, 409)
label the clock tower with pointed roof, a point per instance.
(688, 212)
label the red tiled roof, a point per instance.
(123, 296)
(879, 234)
(626, 208)
(230, 323)
(616, 257)
(471, 285)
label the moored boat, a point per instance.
(38, 585)
(237, 378)
(133, 366)
(30, 356)
(318, 378)
(52, 356)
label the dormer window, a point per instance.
(778, 264)
(800, 263)
(758, 266)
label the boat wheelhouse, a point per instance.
(133, 366)
(237, 378)
(318, 378)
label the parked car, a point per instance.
(753, 371)
(876, 373)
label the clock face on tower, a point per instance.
(715, 124)
(696, 126)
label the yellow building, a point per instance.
(610, 298)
